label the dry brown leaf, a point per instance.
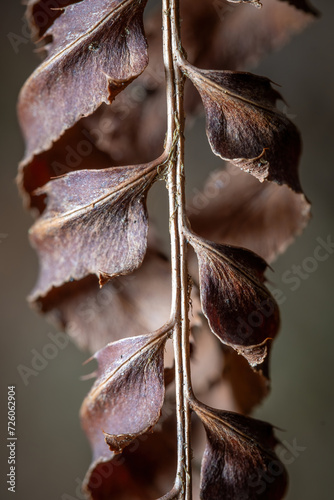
(71, 237)
(239, 308)
(95, 50)
(239, 461)
(130, 374)
(244, 126)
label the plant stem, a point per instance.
(180, 293)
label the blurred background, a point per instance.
(52, 451)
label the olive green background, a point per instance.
(52, 451)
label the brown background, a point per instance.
(52, 451)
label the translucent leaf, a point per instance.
(234, 208)
(125, 306)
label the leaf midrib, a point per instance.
(53, 220)
(137, 353)
(78, 40)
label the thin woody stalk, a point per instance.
(180, 294)
(101, 215)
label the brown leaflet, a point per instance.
(244, 127)
(128, 132)
(96, 49)
(138, 118)
(235, 208)
(127, 396)
(239, 308)
(239, 461)
(240, 389)
(95, 223)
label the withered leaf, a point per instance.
(237, 209)
(96, 49)
(239, 461)
(95, 223)
(239, 308)
(245, 127)
(130, 376)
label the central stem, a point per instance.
(180, 285)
